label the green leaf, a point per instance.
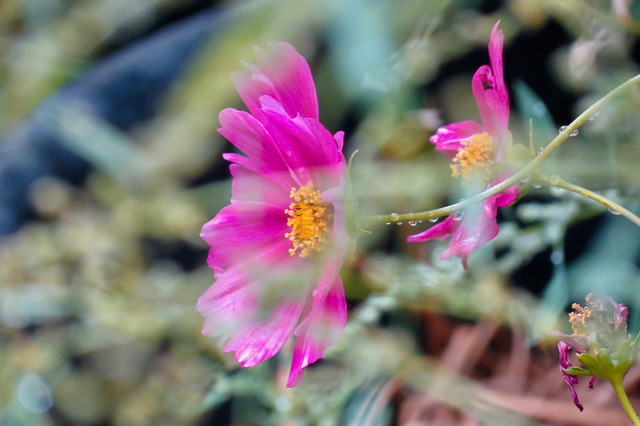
(577, 371)
(532, 108)
(96, 141)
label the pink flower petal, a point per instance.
(571, 381)
(474, 232)
(260, 342)
(309, 149)
(252, 138)
(449, 138)
(254, 186)
(439, 232)
(491, 93)
(282, 74)
(321, 327)
(240, 231)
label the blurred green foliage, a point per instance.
(97, 291)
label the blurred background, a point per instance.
(110, 164)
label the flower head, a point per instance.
(601, 341)
(277, 249)
(474, 148)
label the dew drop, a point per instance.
(458, 216)
(525, 179)
(433, 220)
(594, 116)
(540, 150)
(537, 185)
(557, 257)
(399, 223)
(394, 217)
(562, 129)
(412, 223)
(388, 223)
(614, 212)
(574, 133)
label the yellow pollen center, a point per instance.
(477, 153)
(578, 319)
(309, 221)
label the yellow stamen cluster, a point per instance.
(579, 318)
(309, 221)
(477, 153)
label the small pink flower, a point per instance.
(277, 249)
(600, 340)
(476, 147)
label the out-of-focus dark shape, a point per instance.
(125, 90)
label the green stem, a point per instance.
(624, 400)
(611, 205)
(525, 172)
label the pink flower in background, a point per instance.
(277, 249)
(600, 340)
(477, 227)
(474, 149)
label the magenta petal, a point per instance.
(449, 138)
(264, 339)
(507, 196)
(226, 305)
(240, 231)
(440, 231)
(491, 93)
(320, 329)
(282, 74)
(470, 236)
(310, 150)
(571, 381)
(254, 140)
(496, 42)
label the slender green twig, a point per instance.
(611, 205)
(624, 401)
(525, 172)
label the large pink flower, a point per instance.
(474, 149)
(277, 249)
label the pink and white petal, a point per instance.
(262, 340)
(490, 91)
(469, 236)
(450, 138)
(440, 231)
(507, 196)
(227, 304)
(482, 82)
(501, 199)
(254, 186)
(339, 138)
(241, 231)
(310, 150)
(571, 381)
(284, 75)
(321, 327)
(496, 43)
(251, 137)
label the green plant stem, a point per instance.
(611, 205)
(525, 172)
(624, 400)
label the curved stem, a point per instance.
(611, 205)
(527, 170)
(624, 401)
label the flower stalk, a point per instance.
(529, 169)
(614, 207)
(616, 383)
